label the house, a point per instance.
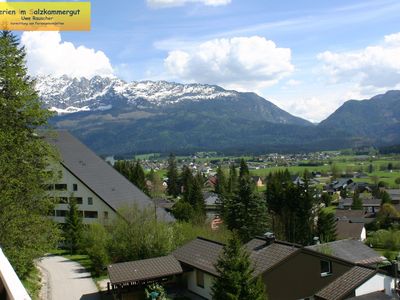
(346, 229)
(351, 250)
(370, 205)
(211, 182)
(289, 271)
(354, 216)
(98, 189)
(394, 195)
(258, 181)
(338, 185)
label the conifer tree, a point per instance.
(236, 281)
(326, 227)
(26, 232)
(197, 199)
(73, 227)
(385, 198)
(357, 201)
(173, 188)
(221, 185)
(246, 211)
(186, 182)
(232, 180)
(139, 177)
(221, 190)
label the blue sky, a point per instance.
(307, 57)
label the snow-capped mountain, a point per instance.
(69, 95)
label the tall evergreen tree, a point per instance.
(196, 199)
(25, 230)
(357, 201)
(232, 180)
(221, 190)
(186, 182)
(173, 188)
(243, 169)
(139, 177)
(385, 198)
(326, 227)
(236, 281)
(246, 211)
(304, 211)
(73, 227)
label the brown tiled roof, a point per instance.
(264, 258)
(145, 269)
(350, 250)
(200, 253)
(346, 230)
(345, 284)
(348, 214)
(203, 254)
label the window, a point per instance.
(75, 187)
(61, 213)
(200, 278)
(105, 215)
(78, 200)
(60, 186)
(90, 200)
(326, 268)
(90, 214)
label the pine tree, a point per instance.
(221, 190)
(26, 232)
(73, 227)
(326, 227)
(232, 180)
(186, 182)
(140, 178)
(221, 186)
(385, 198)
(173, 188)
(243, 169)
(357, 201)
(196, 199)
(235, 281)
(246, 211)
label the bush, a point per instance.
(95, 240)
(385, 239)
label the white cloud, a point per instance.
(48, 54)
(374, 68)
(243, 63)
(173, 3)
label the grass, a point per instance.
(32, 283)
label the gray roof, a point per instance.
(99, 176)
(200, 253)
(203, 254)
(345, 284)
(366, 202)
(353, 216)
(264, 258)
(348, 230)
(351, 250)
(141, 270)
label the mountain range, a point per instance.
(115, 117)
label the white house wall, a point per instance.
(192, 285)
(378, 282)
(98, 205)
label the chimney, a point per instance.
(269, 237)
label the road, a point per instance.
(66, 280)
